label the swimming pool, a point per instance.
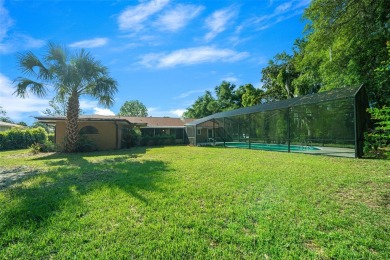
(271, 147)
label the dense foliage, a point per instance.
(345, 43)
(379, 136)
(133, 108)
(227, 97)
(22, 138)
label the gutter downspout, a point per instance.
(116, 136)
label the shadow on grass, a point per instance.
(79, 159)
(37, 199)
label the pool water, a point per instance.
(272, 147)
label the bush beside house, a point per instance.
(22, 138)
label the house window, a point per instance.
(198, 131)
(89, 130)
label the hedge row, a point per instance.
(22, 138)
(157, 140)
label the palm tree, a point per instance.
(71, 75)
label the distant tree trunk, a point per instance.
(72, 116)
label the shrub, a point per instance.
(85, 145)
(51, 137)
(157, 140)
(45, 147)
(379, 136)
(131, 137)
(35, 148)
(22, 138)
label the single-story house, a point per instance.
(4, 126)
(106, 131)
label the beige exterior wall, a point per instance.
(105, 139)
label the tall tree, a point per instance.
(278, 77)
(71, 75)
(346, 43)
(308, 79)
(133, 108)
(226, 96)
(250, 95)
(203, 106)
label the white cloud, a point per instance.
(218, 22)
(16, 107)
(178, 112)
(157, 112)
(281, 13)
(88, 104)
(231, 79)
(283, 7)
(178, 17)
(92, 43)
(19, 42)
(5, 21)
(191, 56)
(189, 93)
(133, 17)
(13, 42)
(103, 111)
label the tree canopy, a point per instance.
(345, 43)
(227, 97)
(133, 108)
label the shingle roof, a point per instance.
(159, 121)
(53, 119)
(140, 121)
(9, 124)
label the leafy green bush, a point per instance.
(379, 136)
(131, 137)
(85, 145)
(51, 137)
(35, 148)
(45, 147)
(157, 140)
(22, 138)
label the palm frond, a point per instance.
(56, 54)
(25, 85)
(30, 65)
(104, 90)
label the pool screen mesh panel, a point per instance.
(331, 122)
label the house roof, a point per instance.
(152, 122)
(156, 122)
(54, 119)
(9, 124)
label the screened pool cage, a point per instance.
(328, 123)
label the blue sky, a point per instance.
(164, 53)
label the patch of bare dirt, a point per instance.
(13, 175)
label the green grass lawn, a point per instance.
(190, 202)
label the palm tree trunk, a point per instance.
(72, 117)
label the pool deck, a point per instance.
(330, 151)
